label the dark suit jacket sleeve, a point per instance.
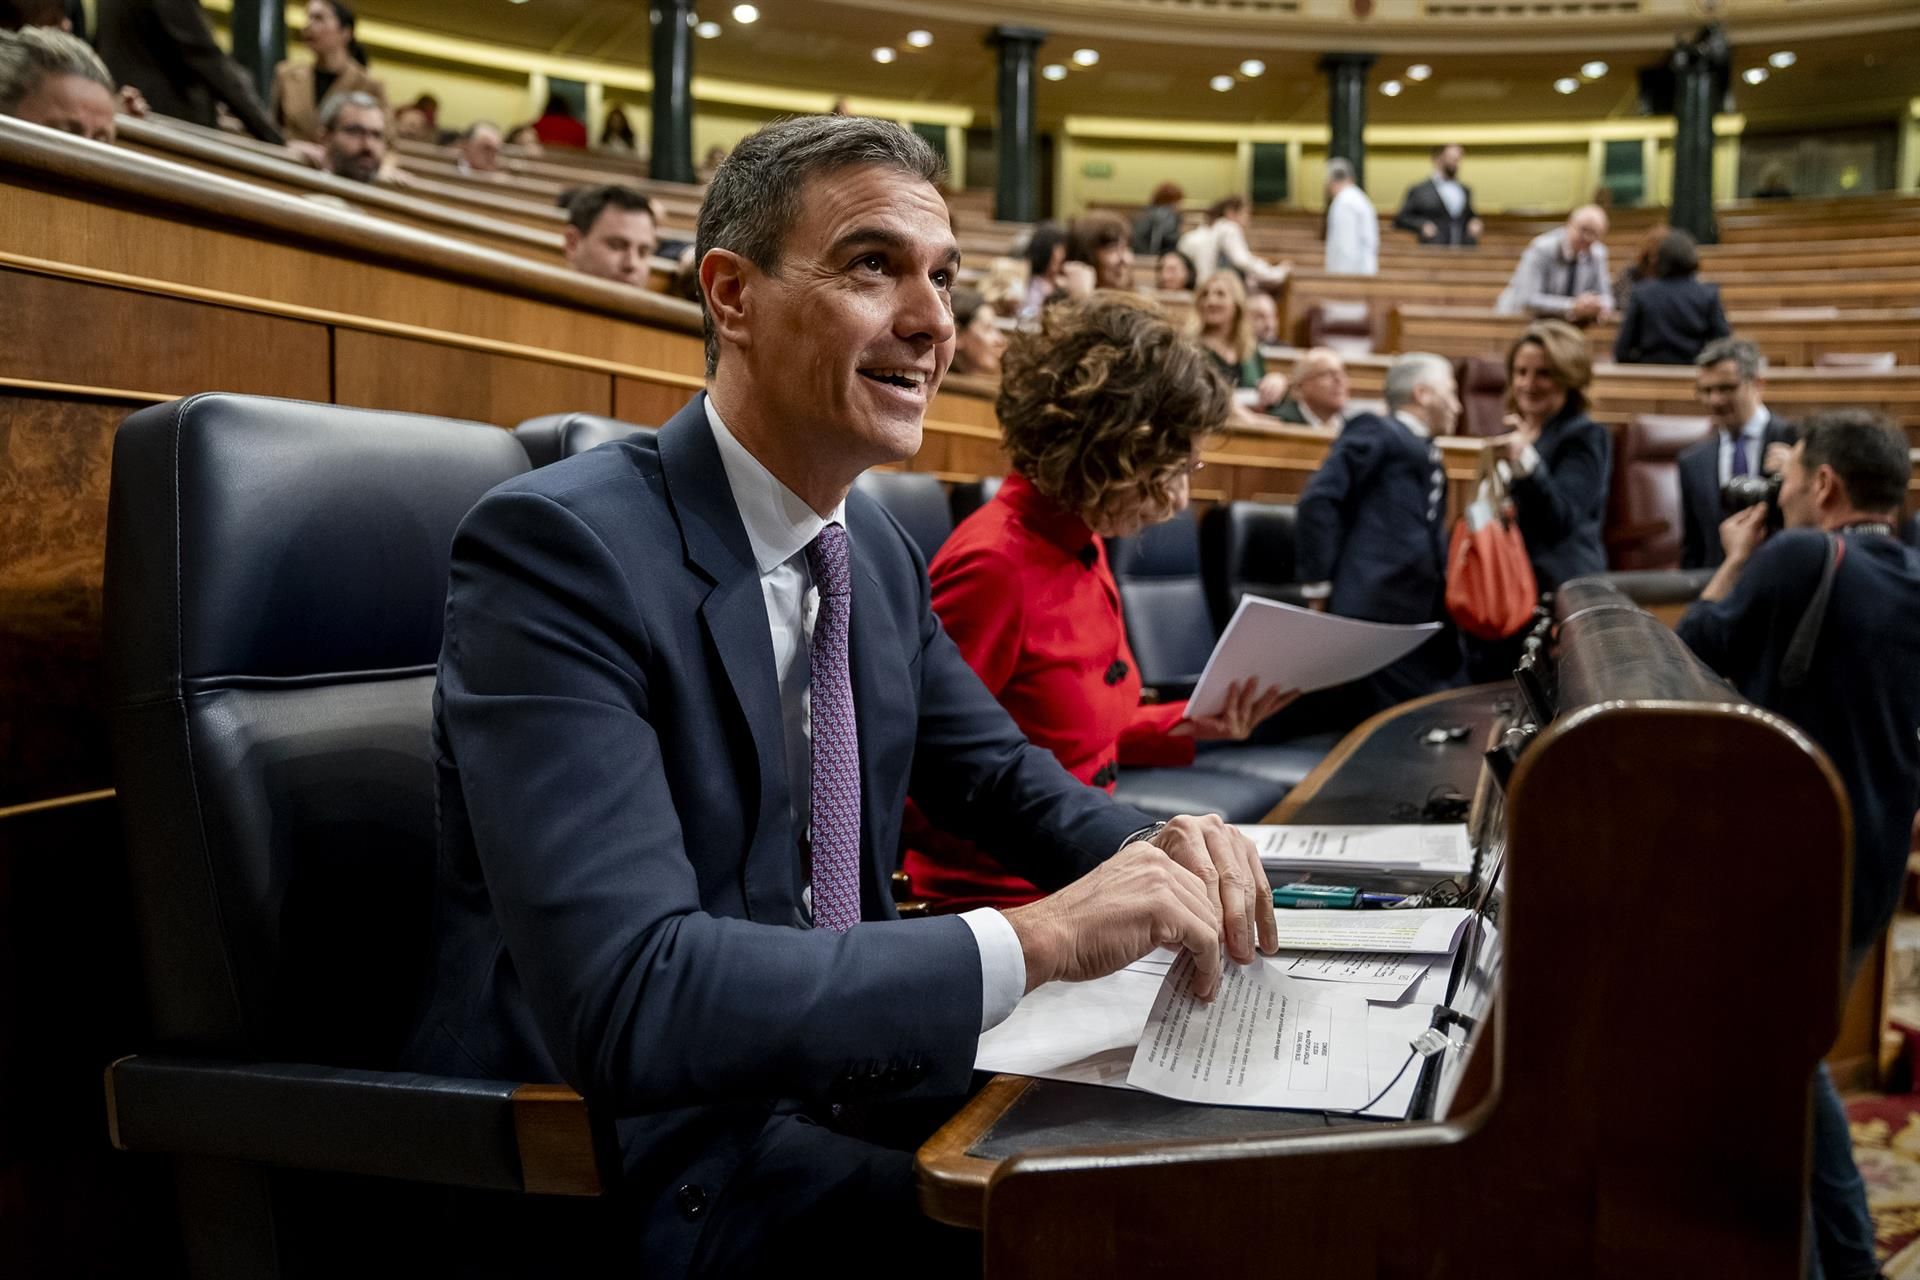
(645, 1000)
(1693, 536)
(1731, 635)
(187, 27)
(1320, 527)
(1626, 343)
(1717, 326)
(1413, 212)
(1549, 501)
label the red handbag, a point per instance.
(1491, 591)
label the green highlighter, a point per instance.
(1311, 896)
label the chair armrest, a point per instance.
(1658, 586)
(489, 1134)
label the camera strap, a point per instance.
(1799, 656)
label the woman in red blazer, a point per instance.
(1103, 413)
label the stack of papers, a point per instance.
(1283, 646)
(1440, 849)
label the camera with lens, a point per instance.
(1742, 492)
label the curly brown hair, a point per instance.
(1107, 403)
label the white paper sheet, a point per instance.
(1266, 1040)
(1386, 975)
(1287, 647)
(1430, 931)
(1080, 1032)
(1440, 848)
(1390, 1032)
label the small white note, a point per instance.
(1389, 972)
(1437, 848)
(1432, 931)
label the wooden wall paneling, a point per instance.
(649, 404)
(56, 330)
(376, 371)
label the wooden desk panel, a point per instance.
(375, 371)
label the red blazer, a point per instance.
(1024, 589)
(560, 131)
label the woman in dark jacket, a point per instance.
(1157, 228)
(1557, 457)
(1672, 316)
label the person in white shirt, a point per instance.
(1353, 227)
(1226, 229)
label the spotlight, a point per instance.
(1593, 70)
(1566, 84)
(706, 30)
(1755, 75)
(919, 39)
(1253, 67)
(745, 13)
(1782, 60)
(1085, 57)
(1392, 88)
(1220, 84)
(884, 54)
(1419, 71)
(1054, 71)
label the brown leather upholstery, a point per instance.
(1872, 361)
(1346, 327)
(1483, 396)
(1644, 520)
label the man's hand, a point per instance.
(1428, 231)
(1271, 390)
(1245, 707)
(1775, 459)
(1235, 881)
(1740, 533)
(1586, 308)
(132, 102)
(311, 154)
(1135, 901)
(1475, 227)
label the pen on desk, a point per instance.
(1308, 897)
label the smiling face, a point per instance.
(1536, 393)
(1170, 272)
(1217, 307)
(980, 345)
(1113, 265)
(1263, 313)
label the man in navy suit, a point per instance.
(1370, 538)
(1439, 209)
(686, 684)
(1746, 440)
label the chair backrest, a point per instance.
(1246, 548)
(1871, 361)
(1164, 601)
(1483, 396)
(1346, 327)
(917, 501)
(554, 436)
(1644, 514)
(276, 576)
(970, 497)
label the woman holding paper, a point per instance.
(1103, 412)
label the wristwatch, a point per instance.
(1144, 833)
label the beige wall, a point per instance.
(1205, 171)
(464, 95)
(1726, 170)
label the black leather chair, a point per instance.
(918, 502)
(970, 497)
(554, 436)
(1246, 549)
(275, 580)
(1165, 602)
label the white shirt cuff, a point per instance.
(1529, 460)
(1003, 966)
(1315, 590)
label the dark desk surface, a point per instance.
(1384, 771)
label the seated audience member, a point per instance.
(1439, 209)
(1641, 268)
(1672, 316)
(1264, 314)
(1371, 538)
(1563, 273)
(616, 132)
(558, 126)
(1353, 225)
(50, 78)
(166, 50)
(1157, 229)
(1222, 245)
(1555, 458)
(1099, 241)
(611, 233)
(414, 124)
(301, 90)
(479, 154)
(1730, 379)
(1103, 413)
(670, 785)
(1773, 184)
(1317, 395)
(1046, 265)
(1856, 694)
(353, 133)
(1219, 324)
(1173, 273)
(978, 341)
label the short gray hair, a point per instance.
(1415, 369)
(1339, 170)
(330, 110)
(32, 55)
(1746, 357)
(754, 198)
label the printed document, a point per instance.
(1080, 1032)
(1287, 647)
(1392, 973)
(1441, 849)
(1267, 1040)
(1428, 931)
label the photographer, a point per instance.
(1856, 693)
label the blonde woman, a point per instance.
(1223, 329)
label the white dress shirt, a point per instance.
(779, 528)
(1752, 432)
(1230, 248)
(1452, 194)
(1353, 234)
(1198, 246)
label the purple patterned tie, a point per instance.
(1740, 466)
(835, 838)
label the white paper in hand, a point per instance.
(1286, 647)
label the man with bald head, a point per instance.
(1317, 396)
(1564, 273)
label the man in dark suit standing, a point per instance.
(165, 49)
(1746, 440)
(1440, 210)
(1370, 540)
(686, 683)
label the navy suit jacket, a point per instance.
(1700, 505)
(619, 876)
(1423, 204)
(1669, 321)
(1561, 506)
(1363, 525)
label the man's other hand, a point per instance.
(1776, 457)
(1228, 863)
(1428, 231)
(1743, 531)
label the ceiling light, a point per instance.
(1782, 60)
(1392, 88)
(1593, 70)
(919, 39)
(1566, 84)
(745, 13)
(1754, 75)
(1085, 57)
(884, 54)
(706, 30)
(1253, 67)
(1220, 84)
(1054, 71)
(1419, 71)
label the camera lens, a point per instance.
(1742, 492)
